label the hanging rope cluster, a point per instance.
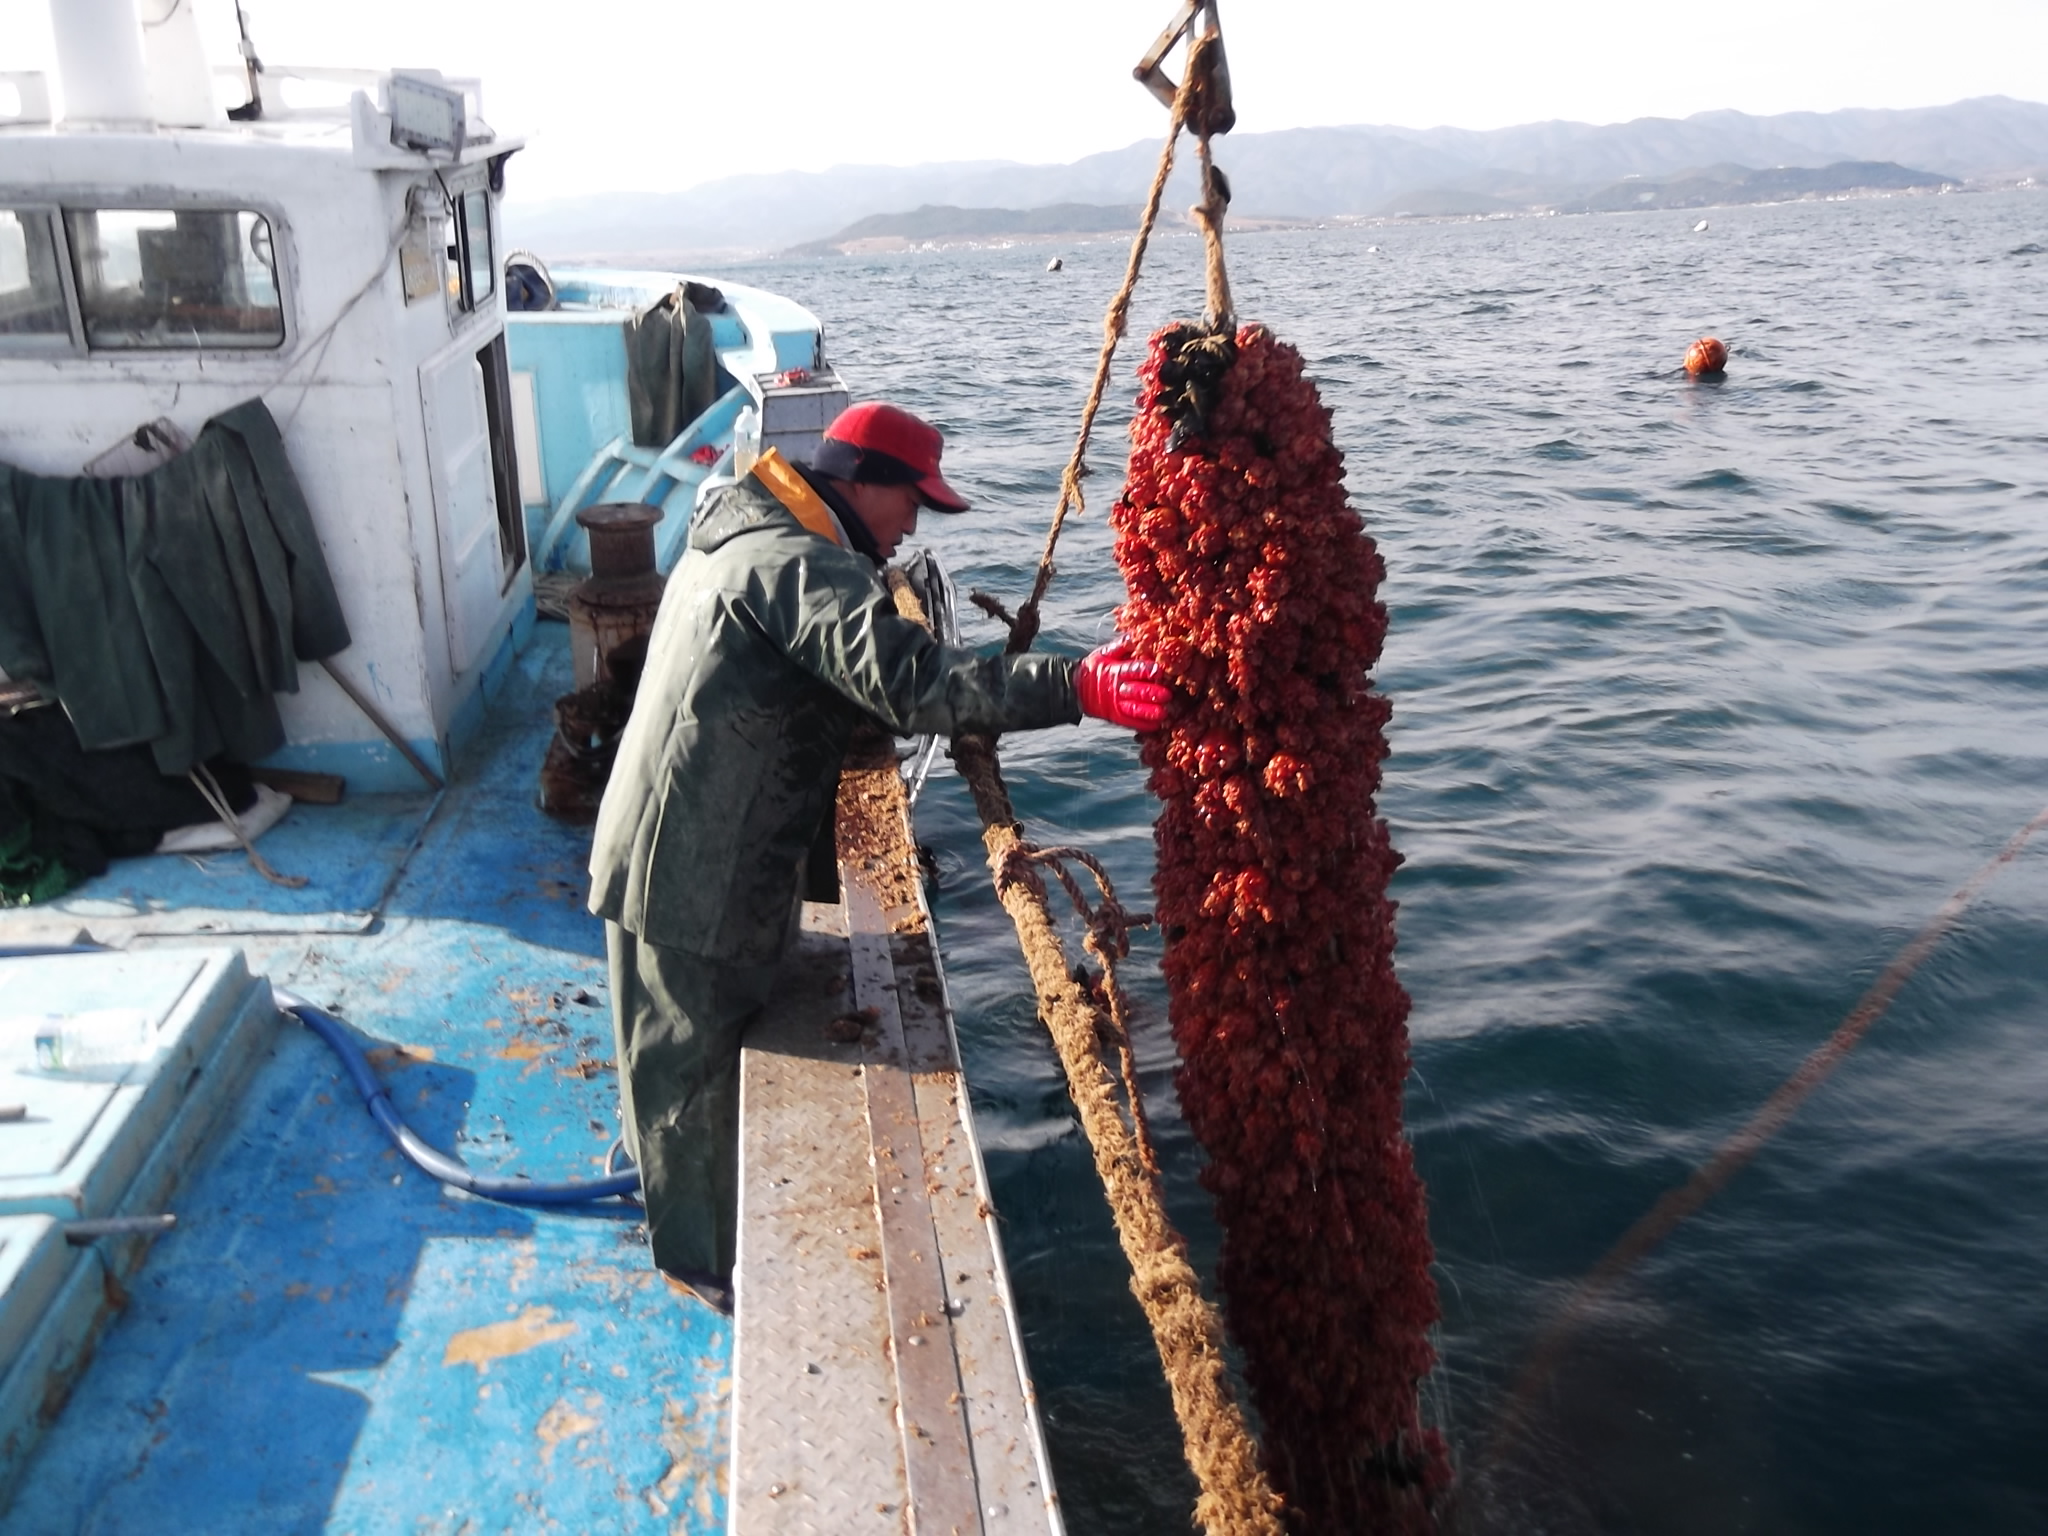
(1086, 1021)
(1253, 585)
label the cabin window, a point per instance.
(477, 255)
(504, 456)
(472, 258)
(165, 279)
(31, 282)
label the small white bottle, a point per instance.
(746, 442)
(94, 1040)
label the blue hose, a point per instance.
(433, 1162)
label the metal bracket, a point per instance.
(1213, 112)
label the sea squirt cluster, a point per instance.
(1254, 586)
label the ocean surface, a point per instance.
(1706, 696)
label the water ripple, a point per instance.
(1705, 697)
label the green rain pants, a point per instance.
(678, 1019)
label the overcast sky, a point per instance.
(663, 94)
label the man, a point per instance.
(775, 637)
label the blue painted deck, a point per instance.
(329, 1342)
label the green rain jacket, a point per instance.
(771, 643)
(169, 607)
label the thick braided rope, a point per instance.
(1209, 214)
(1236, 1498)
(1107, 936)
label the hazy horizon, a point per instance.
(1153, 140)
(638, 95)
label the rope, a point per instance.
(209, 789)
(1235, 1499)
(1108, 938)
(904, 595)
(1209, 214)
(1201, 59)
(1734, 1154)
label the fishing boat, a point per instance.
(310, 1212)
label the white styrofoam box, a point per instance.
(63, 1305)
(117, 1142)
(86, 1135)
(34, 1259)
(802, 408)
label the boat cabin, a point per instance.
(341, 265)
(334, 249)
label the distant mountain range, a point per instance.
(1720, 185)
(1313, 173)
(1715, 186)
(941, 221)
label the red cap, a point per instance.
(878, 427)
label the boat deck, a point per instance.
(329, 1341)
(878, 1371)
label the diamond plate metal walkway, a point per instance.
(878, 1379)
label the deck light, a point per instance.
(425, 114)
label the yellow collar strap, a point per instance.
(794, 492)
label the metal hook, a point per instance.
(1213, 112)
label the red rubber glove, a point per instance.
(1121, 688)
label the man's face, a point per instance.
(890, 511)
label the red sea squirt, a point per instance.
(1253, 584)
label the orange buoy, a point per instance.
(1706, 356)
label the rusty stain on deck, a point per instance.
(692, 1435)
(395, 1055)
(559, 1423)
(496, 1341)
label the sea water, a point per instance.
(1706, 695)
